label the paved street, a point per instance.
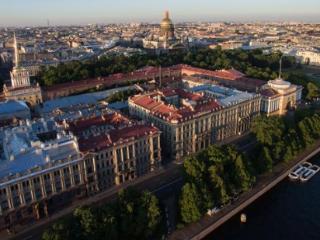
(158, 182)
(163, 183)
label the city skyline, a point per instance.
(59, 12)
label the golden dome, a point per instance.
(166, 25)
(166, 21)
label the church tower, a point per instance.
(21, 87)
(19, 76)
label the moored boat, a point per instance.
(293, 176)
(297, 172)
(309, 173)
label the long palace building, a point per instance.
(192, 119)
(47, 164)
(73, 153)
(277, 95)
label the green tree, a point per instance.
(189, 203)
(220, 194)
(194, 167)
(313, 91)
(243, 177)
(268, 130)
(65, 229)
(266, 163)
(88, 221)
(109, 222)
(305, 132)
(150, 215)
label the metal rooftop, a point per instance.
(225, 96)
(88, 98)
(11, 106)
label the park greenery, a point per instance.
(281, 139)
(213, 177)
(133, 216)
(217, 174)
(254, 63)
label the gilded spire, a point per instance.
(280, 67)
(166, 15)
(16, 53)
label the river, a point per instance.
(291, 210)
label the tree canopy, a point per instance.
(133, 216)
(253, 63)
(217, 174)
(213, 176)
(281, 139)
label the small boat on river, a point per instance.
(297, 172)
(309, 173)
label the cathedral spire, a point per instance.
(16, 53)
(166, 15)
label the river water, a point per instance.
(289, 211)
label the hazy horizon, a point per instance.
(79, 12)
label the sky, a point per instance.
(64, 12)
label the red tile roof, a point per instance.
(148, 73)
(168, 92)
(189, 95)
(230, 74)
(140, 74)
(113, 119)
(171, 113)
(115, 136)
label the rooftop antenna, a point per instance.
(280, 68)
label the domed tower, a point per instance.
(166, 27)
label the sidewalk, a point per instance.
(207, 225)
(25, 231)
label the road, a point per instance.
(158, 182)
(165, 183)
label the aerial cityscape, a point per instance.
(160, 120)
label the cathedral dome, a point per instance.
(167, 27)
(166, 22)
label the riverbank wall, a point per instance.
(207, 225)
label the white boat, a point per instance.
(293, 176)
(309, 173)
(297, 172)
(315, 168)
(306, 164)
